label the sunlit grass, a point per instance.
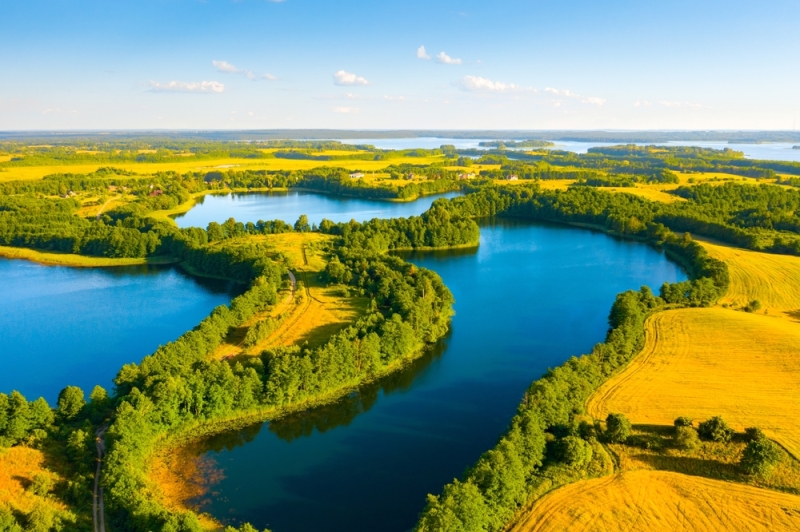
(662, 501)
(712, 361)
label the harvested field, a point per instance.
(712, 361)
(660, 500)
(774, 280)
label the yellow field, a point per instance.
(774, 280)
(67, 259)
(316, 314)
(662, 501)
(188, 164)
(18, 466)
(706, 362)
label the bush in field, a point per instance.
(753, 306)
(686, 438)
(618, 428)
(683, 421)
(715, 429)
(760, 457)
(753, 434)
(574, 451)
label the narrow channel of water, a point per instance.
(529, 298)
(77, 326)
(288, 206)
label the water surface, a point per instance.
(528, 299)
(774, 151)
(77, 326)
(288, 206)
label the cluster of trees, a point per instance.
(645, 160)
(503, 144)
(178, 389)
(436, 228)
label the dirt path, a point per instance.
(98, 505)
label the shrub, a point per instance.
(752, 434)
(574, 451)
(715, 429)
(753, 306)
(42, 484)
(686, 438)
(760, 457)
(618, 428)
(683, 421)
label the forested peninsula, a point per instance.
(181, 392)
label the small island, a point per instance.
(502, 144)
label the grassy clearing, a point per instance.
(314, 314)
(660, 500)
(18, 467)
(706, 362)
(79, 261)
(771, 279)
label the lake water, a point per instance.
(71, 326)
(288, 206)
(775, 151)
(529, 298)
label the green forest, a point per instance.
(179, 391)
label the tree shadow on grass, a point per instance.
(794, 314)
(688, 465)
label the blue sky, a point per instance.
(220, 64)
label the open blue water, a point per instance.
(529, 298)
(77, 326)
(775, 151)
(288, 206)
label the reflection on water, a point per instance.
(77, 326)
(527, 299)
(288, 206)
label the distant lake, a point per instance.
(527, 299)
(288, 206)
(77, 326)
(776, 151)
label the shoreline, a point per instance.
(51, 258)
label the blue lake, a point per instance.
(71, 326)
(288, 206)
(774, 151)
(529, 298)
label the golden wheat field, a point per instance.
(662, 501)
(188, 164)
(774, 280)
(712, 361)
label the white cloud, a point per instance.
(644, 103)
(422, 54)
(224, 66)
(445, 59)
(394, 98)
(348, 78)
(476, 83)
(227, 68)
(339, 109)
(208, 87)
